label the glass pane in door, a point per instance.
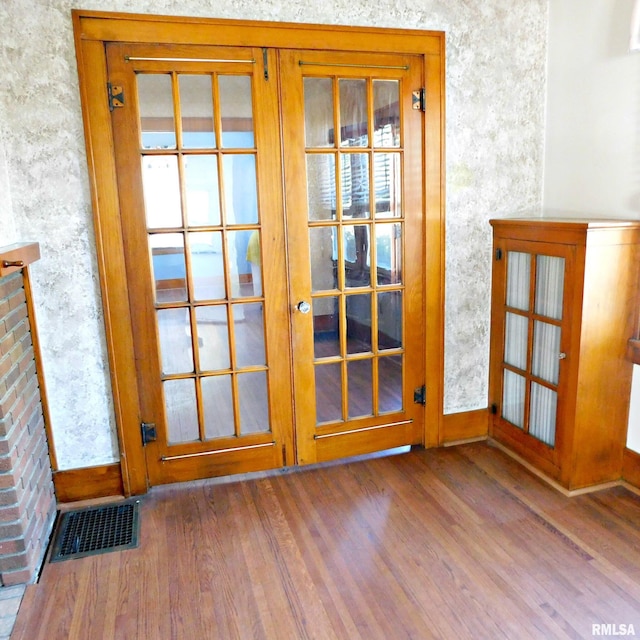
(389, 320)
(237, 111)
(542, 421)
(326, 327)
(360, 378)
(546, 351)
(516, 340)
(549, 286)
(202, 190)
(182, 414)
(518, 279)
(321, 178)
(319, 127)
(324, 258)
(386, 113)
(387, 181)
(328, 391)
(196, 100)
(389, 253)
(155, 104)
(207, 265)
(217, 397)
(390, 384)
(513, 398)
(168, 266)
(161, 187)
(354, 128)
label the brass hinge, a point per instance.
(420, 395)
(148, 432)
(419, 100)
(116, 96)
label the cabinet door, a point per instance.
(531, 329)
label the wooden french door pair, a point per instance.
(271, 205)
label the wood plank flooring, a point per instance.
(444, 543)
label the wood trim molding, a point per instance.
(464, 426)
(144, 28)
(631, 467)
(633, 350)
(88, 483)
(37, 355)
(15, 257)
(92, 29)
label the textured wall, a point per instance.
(8, 233)
(495, 99)
(592, 160)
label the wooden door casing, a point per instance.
(92, 31)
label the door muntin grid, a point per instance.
(198, 156)
(356, 245)
(534, 298)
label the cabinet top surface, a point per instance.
(568, 222)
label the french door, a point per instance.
(355, 247)
(271, 208)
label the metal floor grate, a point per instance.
(95, 530)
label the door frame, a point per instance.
(92, 30)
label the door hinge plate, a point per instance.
(116, 96)
(148, 432)
(498, 254)
(420, 395)
(419, 100)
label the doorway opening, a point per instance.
(270, 227)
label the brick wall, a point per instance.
(27, 501)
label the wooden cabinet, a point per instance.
(564, 305)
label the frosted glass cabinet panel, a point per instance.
(564, 305)
(532, 332)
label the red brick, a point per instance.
(12, 376)
(5, 366)
(17, 299)
(11, 547)
(15, 317)
(36, 421)
(27, 499)
(6, 402)
(13, 562)
(9, 514)
(6, 344)
(7, 480)
(20, 332)
(11, 578)
(12, 529)
(11, 284)
(28, 364)
(29, 474)
(33, 530)
(8, 497)
(24, 410)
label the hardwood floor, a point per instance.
(444, 543)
